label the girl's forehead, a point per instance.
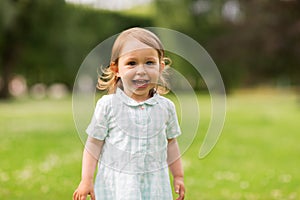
(133, 45)
(145, 53)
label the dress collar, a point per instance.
(131, 102)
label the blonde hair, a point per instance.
(108, 80)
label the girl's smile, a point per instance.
(141, 83)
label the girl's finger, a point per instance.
(177, 187)
(181, 193)
(92, 195)
(75, 195)
(83, 197)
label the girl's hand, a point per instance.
(179, 187)
(84, 189)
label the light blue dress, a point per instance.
(133, 162)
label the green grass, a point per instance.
(256, 157)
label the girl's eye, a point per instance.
(150, 63)
(132, 63)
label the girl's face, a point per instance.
(139, 68)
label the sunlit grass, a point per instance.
(39, 150)
(256, 157)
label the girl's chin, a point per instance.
(140, 90)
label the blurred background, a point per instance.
(255, 45)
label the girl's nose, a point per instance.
(140, 70)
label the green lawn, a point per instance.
(256, 157)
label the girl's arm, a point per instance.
(90, 158)
(175, 167)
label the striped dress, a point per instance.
(132, 165)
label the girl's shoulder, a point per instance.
(164, 101)
(105, 97)
(104, 100)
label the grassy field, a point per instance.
(257, 155)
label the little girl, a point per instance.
(133, 130)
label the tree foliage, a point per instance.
(46, 41)
(257, 42)
(252, 42)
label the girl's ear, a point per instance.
(113, 67)
(162, 66)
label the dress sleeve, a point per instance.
(98, 127)
(173, 128)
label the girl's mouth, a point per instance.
(141, 83)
